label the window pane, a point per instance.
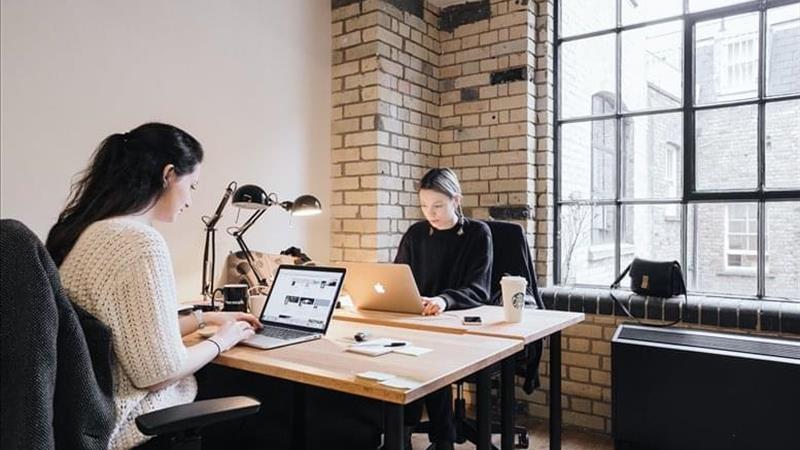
(783, 250)
(726, 151)
(782, 145)
(701, 5)
(654, 233)
(714, 265)
(652, 156)
(585, 16)
(726, 59)
(645, 10)
(587, 69)
(783, 50)
(587, 244)
(588, 169)
(652, 67)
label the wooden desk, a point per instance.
(325, 363)
(535, 325)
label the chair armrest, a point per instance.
(196, 415)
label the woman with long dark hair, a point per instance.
(114, 264)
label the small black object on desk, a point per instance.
(361, 336)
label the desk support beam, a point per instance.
(298, 416)
(555, 391)
(507, 403)
(394, 432)
(484, 401)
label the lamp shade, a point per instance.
(305, 205)
(250, 196)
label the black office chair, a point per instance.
(511, 257)
(57, 389)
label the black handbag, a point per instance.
(654, 279)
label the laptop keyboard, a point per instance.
(281, 333)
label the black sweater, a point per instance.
(456, 267)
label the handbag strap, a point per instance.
(616, 282)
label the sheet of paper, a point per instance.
(400, 383)
(373, 375)
(369, 350)
(411, 350)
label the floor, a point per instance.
(571, 439)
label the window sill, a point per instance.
(775, 315)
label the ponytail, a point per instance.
(124, 177)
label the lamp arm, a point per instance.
(250, 261)
(209, 247)
(238, 233)
(211, 221)
(206, 287)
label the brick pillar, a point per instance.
(385, 121)
(490, 110)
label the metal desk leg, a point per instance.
(484, 405)
(555, 391)
(299, 417)
(394, 435)
(507, 403)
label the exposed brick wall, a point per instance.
(487, 132)
(408, 96)
(385, 123)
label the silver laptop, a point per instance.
(383, 287)
(299, 306)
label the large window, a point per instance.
(678, 137)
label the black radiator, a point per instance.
(685, 390)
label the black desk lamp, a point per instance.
(250, 196)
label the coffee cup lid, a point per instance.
(512, 278)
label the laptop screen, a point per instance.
(303, 297)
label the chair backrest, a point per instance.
(511, 256)
(57, 389)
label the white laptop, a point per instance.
(299, 306)
(383, 287)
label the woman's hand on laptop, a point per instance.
(432, 306)
(220, 318)
(231, 333)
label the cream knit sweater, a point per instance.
(120, 271)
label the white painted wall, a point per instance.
(249, 78)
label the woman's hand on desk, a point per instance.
(231, 333)
(432, 306)
(220, 318)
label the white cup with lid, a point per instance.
(513, 288)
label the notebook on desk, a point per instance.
(299, 306)
(383, 287)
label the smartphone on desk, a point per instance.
(472, 320)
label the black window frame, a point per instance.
(689, 195)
